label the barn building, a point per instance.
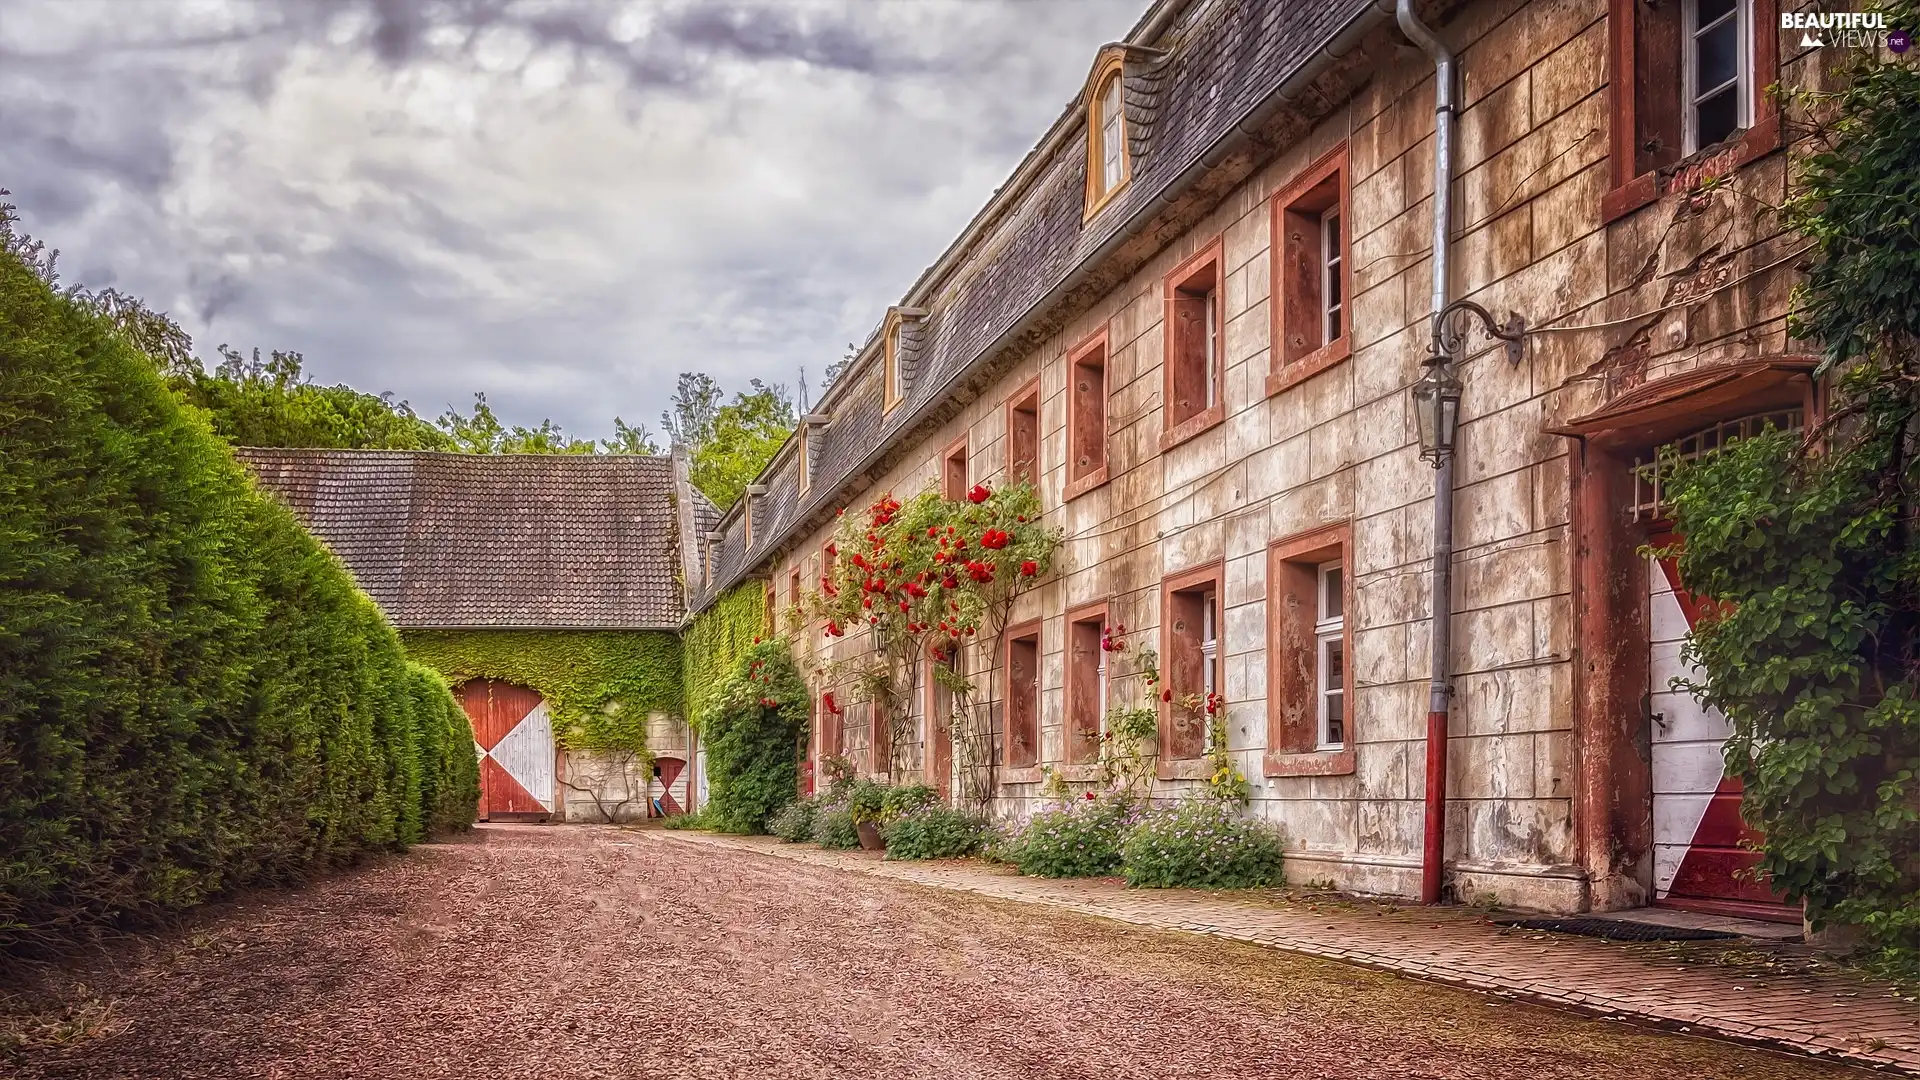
(547, 588)
(1200, 316)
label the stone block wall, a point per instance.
(1340, 448)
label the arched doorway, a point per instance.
(513, 736)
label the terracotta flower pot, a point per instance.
(870, 838)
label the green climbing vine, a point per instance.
(600, 685)
(1804, 549)
(715, 639)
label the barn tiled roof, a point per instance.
(1213, 67)
(505, 540)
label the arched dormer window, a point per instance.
(1107, 166)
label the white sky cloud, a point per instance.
(561, 204)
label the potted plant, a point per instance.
(868, 802)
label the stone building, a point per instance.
(1197, 311)
(547, 588)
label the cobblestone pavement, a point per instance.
(1684, 989)
(579, 952)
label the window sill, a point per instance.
(1308, 763)
(1192, 426)
(1691, 174)
(1077, 488)
(1298, 371)
(1030, 775)
(1182, 769)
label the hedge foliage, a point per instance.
(193, 694)
(753, 730)
(599, 684)
(715, 639)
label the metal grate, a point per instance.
(1649, 497)
(1619, 929)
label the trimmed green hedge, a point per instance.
(193, 694)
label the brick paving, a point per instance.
(1835, 1016)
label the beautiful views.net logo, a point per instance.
(1853, 29)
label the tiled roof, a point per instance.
(1222, 60)
(506, 540)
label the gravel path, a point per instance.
(599, 953)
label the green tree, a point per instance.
(696, 401)
(744, 435)
(255, 401)
(483, 433)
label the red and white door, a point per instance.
(1703, 855)
(671, 791)
(513, 735)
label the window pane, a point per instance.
(1718, 56)
(1336, 719)
(1333, 594)
(1334, 670)
(1713, 9)
(1718, 116)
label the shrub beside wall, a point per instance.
(753, 727)
(193, 694)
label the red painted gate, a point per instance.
(514, 738)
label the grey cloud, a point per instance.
(734, 188)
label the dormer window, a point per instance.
(813, 427)
(1107, 165)
(896, 350)
(890, 349)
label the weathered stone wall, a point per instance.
(599, 786)
(1531, 173)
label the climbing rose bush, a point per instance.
(1200, 844)
(932, 567)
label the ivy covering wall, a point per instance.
(194, 697)
(717, 638)
(599, 684)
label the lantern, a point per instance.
(1436, 407)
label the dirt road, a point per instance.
(574, 952)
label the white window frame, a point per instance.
(1213, 347)
(1113, 136)
(1329, 630)
(1691, 92)
(1330, 281)
(1209, 642)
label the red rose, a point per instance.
(993, 538)
(1089, 796)
(1167, 694)
(1029, 568)
(979, 494)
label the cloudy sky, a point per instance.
(561, 203)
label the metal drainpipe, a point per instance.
(1440, 693)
